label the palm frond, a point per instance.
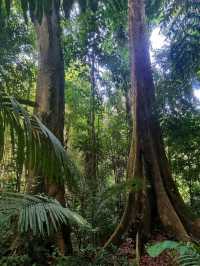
(192, 259)
(36, 144)
(38, 214)
(188, 254)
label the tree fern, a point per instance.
(38, 214)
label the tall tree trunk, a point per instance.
(128, 98)
(91, 167)
(50, 99)
(91, 152)
(157, 200)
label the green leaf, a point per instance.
(156, 249)
(189, 254)
(36, 145)
(39, 214)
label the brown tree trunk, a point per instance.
(157, 200)
(50, 99)
(91, 153)
(128, 98)
(91, 166)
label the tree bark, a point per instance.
(50, 99)
(157, 200)
(91, 153)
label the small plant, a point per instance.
(188, 254)
(39, 214)
(91, 256)
(15, 261)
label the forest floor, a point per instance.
(165, 259)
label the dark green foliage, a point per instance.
(7, 5)
(153, 9)
(15, 261)
(99, 30)
(188, 254)
(67, 5)
(38, 214)
(37, 8)
(182, 139)
(38, 144)
(177, 66)
(181, 22)
(92, 257)
(17, 67)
